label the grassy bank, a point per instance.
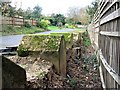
(11, 30)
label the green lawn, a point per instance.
(10, 30)
(53, 28)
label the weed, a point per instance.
(22, 51)
(90, 60)
(72, 81)
(86, 40)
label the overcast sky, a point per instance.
(52, 6)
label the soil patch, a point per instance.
(82, 71)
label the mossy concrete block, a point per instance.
(13, 76)
(41, 42)
(47, 47)
(68, 38)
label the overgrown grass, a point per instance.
(53, 28)
(11, 30)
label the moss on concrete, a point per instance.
(68, 38)
(39, 42)
(45, 42)
(47, 47)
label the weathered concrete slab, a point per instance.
(47, 47)
(13, 76)
(36, 68)
(72, 39)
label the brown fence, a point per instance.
(104, 33)
(16, 21)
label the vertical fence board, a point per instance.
(109, 44)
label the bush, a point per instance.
(70, 26)
(43, 24)
(38, 24)
(66, 25)
(22, 51)
(27, 24)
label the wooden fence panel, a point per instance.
(105, 32)
(15, 21)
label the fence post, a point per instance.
(62, 58)
(23, 20)
(32, 21)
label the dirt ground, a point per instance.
(82, 71)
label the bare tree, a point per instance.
(73, 13)
(78, 15)
(83, 16)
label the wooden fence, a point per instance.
(17, 21)
(104, 32)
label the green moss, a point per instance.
(46, 42)
(68, 38)
(41, 42)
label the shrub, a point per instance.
(43, 24)
(27, 24)
(59, 24)
(22, 51)
(66, 25)
(70, 26)
(38, 24)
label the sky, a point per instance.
(51, 6)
